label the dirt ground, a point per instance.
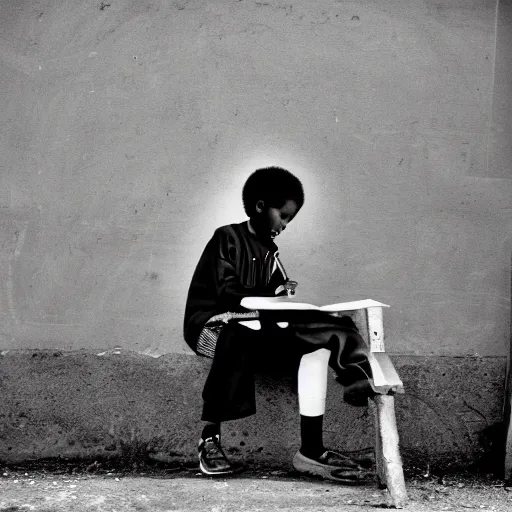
(49, 486)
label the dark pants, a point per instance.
(229, 391)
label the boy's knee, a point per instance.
(320, 355)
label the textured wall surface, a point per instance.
(129, 129)
(137, 406)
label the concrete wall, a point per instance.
(130, 128)
(91, 405)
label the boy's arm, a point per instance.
(277, 282)
(230, 290)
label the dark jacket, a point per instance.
(235, 264)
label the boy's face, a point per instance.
(271, 221)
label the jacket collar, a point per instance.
(267, 242)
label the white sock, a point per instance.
(312, 382)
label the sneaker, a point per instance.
(212, 459)
(332, 465)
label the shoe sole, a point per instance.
(207, 472)
(312, 468)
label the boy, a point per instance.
(242, 260)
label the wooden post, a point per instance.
(379, 461)
(387, 453)
(389, 462)
(375, 329)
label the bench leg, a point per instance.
(387, 454)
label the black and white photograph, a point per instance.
(255, 255)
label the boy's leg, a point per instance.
(228, 394)
(349, 354)
(340, 346)
(212, 459)
(312, 391)
(229, 390)
(313, 458)
(309, 360)
(350, 362)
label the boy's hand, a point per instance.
(290, 286)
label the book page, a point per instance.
(352, 306)
(284, 303)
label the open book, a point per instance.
(284, 303)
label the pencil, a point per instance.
(281, 268)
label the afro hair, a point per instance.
(273, 185)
